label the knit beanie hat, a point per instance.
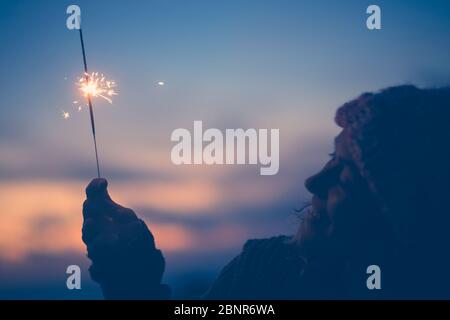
(399, 139)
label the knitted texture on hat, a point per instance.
(399, 140)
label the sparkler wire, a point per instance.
(91, 111)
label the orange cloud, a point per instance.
(45, 216)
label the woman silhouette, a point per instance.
(380, 200)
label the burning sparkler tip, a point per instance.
(96, 85)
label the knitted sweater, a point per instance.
(275, 268)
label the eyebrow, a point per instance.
(341, 159)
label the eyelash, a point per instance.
(332, 155)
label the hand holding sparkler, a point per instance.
(125, 260)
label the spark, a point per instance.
(65, 115)
(161, 83)
(96, 85)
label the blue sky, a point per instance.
(250, 64)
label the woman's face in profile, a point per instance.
(341, 200)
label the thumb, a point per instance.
(98, 202)
(97, 188)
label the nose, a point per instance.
(310, 183)
(317, 184)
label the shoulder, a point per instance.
(269, 243)
(261, 267)
(257, 253)
(270, 257)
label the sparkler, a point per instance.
(92, 85)
(88, 95)
(65, 115)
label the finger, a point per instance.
(87, 212)
(95, 227)
(124, 215)
(98, 201)
(104, 246)
(99, 207)
(129, 231)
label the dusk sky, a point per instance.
(232, 64)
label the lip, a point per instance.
(317, 203)
(318, 207)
